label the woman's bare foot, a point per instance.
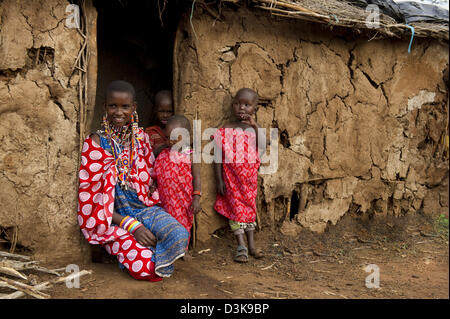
(187, 256)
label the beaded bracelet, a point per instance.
(135, 226)
(197, 193)
(130, 224)
(124, 221)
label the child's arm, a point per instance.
(219, 179)
(153, 187)
(195, 167)
(220, 185)
(260, 136)
(159, 148)
(261, 142)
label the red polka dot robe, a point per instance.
(97, 176)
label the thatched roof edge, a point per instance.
(343, 14)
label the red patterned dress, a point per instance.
(240, 163)
(174, 177)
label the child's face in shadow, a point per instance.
(164, 110)
(244, 105)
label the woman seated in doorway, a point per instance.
(117, 203)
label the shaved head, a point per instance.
(121, 86)
(248, 91)
(164, 94)
(179, 121)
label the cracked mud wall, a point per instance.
(360, 121)
(39, 127)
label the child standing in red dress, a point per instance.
(162, 111)
(237, 171)
(177, 177)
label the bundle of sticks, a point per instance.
(340, 13)
(14, 265)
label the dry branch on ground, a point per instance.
(10, 266)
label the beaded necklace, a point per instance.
(118, 139)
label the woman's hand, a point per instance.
(145, 237)
(196, 207)
(153, 187)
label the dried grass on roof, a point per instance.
(342, 13)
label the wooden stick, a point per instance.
(279, 10)
(14, 240)
(19, 265)
(80, 53)
(30, 290)
(81, 33)
(5, 254)
(292, 6)
(194, 232)
(18, 294)
(81, 69)
(72, 276)
(288, 209)
(12, 272)
(258, 224)
(210, 11)
(324, 271)
(42, 269)
(204, 251)
(37, 56)
(82, 64)
(223, 290)
(194, 229)
(290, 14)
(47, 284)
(268, 267)
(299, 16)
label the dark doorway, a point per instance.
(295, 205)
(135, 43)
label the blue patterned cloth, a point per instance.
(171, 236)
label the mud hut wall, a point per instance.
(39, 123)
(359, 121)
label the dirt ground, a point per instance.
(411, 253)
(412, 257)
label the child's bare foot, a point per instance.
(187, 256)
(256, 253)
